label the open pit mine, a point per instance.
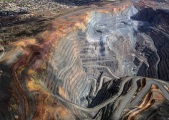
(105, 61)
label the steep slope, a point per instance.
(90, 60)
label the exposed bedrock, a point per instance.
(87, 66)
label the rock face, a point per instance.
(87, 66)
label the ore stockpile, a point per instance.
(102, 62)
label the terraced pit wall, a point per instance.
(87, 60)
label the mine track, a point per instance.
(87, 65)
(2, 51)
(128, 97)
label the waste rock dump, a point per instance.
(106, 61)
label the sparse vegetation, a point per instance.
(22, 19)
(6, 0)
